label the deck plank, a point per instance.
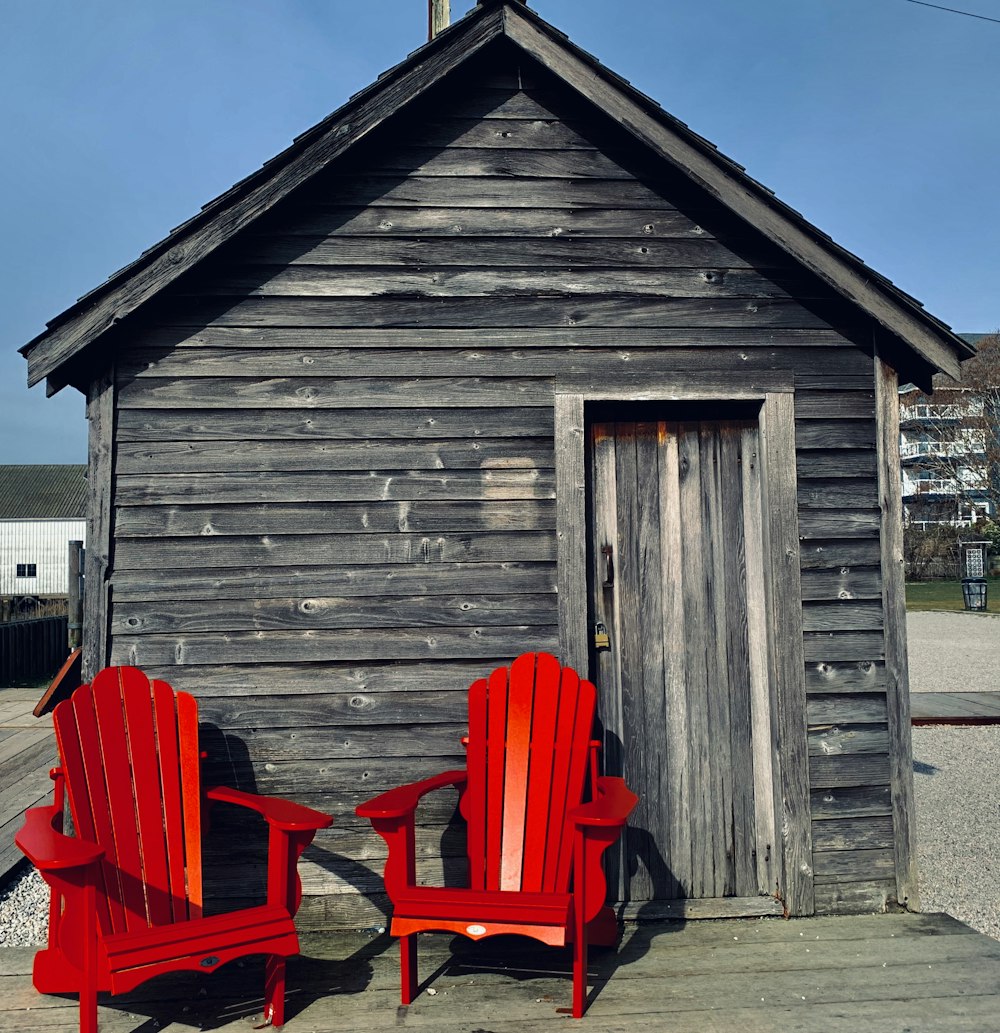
(881, 973)
(955, 708)
(27, 753)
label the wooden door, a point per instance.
(677, 555)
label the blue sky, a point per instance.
(879, 120)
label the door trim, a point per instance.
(782, 587)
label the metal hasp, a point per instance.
(608, 552)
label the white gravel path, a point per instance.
(956, 782)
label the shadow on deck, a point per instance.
(877, 973)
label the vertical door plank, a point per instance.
(650, 673)
(763, 748)
(607, 663)
(734, 577)
(696, 629)
(571, 535)
(630, 648)
(716, 697)
(677, 843)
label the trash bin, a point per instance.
(974, 593)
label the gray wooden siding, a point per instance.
(334, 478)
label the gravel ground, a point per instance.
(953, 652)
(956, 781)
(24, 916)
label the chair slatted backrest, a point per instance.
(530, 728)
(129, 752)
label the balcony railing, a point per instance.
(912, 449)
(942, 411)
(935, 486)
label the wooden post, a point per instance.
(897, 677)
(438, 16)
(75, 592)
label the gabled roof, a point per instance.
(670, 139)
(43, 492)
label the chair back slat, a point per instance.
(190, 779)
(496, 733)
(109, 712)
(538, 821)
(579, 699)
(474, 800)
(130, 754)
(148, 801)
(530, 727)
(517, 767)
(76, 736)
(168, 756)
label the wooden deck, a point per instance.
(27, 752)
(880, 974)
(955, 708)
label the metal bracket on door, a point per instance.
(607, 551)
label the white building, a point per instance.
(42, 509)
(944, 455)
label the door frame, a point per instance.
(786, 660)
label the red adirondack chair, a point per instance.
(534, 845)
(126, 900)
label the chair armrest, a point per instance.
(282, 814)
(47, 848)
(613, 804)
(404, 799)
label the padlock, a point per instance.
(602, 640)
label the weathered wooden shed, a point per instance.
(496, 354)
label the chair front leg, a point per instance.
(88, 989)
(580, 879)
(408, 968)
(274, 991)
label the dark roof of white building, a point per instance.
(43, 492)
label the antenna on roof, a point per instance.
(438, 16)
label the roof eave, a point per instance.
(722, 179)
(196, 239)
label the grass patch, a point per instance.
(947, 595)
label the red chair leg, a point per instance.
(274, 990)
(408, 967)
(88, 1009)
(580, 973)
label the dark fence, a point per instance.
(32, 650)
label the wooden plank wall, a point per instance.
(334, 494)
